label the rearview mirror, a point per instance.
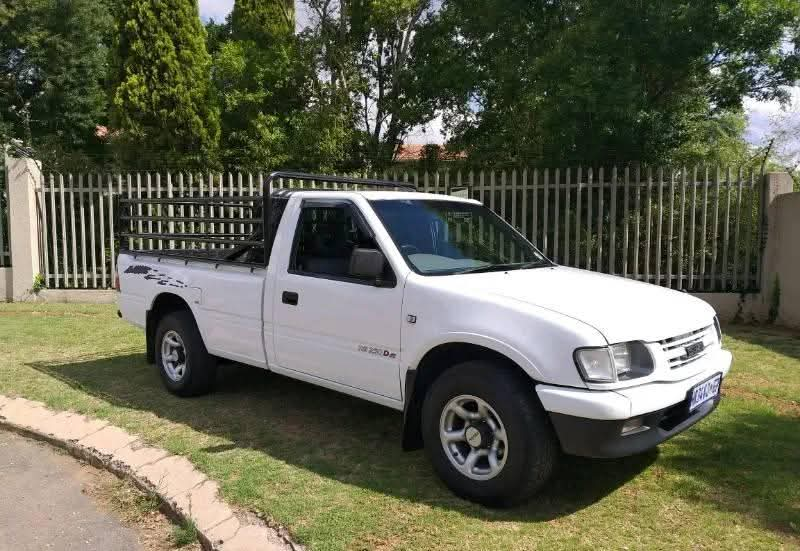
(367, 264)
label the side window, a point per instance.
(325, 239)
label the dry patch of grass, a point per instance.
(140, 512)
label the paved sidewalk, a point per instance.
(42, 505)
(188, 492)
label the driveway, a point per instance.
(43, 504)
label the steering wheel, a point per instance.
(409, 249)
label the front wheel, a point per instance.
(486, 434)
(186, 367)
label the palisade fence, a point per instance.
(5, 251)
(695, 229)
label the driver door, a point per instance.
(329, 324)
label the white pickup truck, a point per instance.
(432, 305)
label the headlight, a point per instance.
(619, 362)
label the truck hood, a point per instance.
(621, 309)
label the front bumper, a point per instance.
(590, 423)
(602, 438)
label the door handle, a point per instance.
(289, 297)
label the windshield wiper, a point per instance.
(502, 267)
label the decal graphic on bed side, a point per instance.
(152, 274)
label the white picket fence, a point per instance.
(698, 229)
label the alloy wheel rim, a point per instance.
(173, 356)
(473, 437)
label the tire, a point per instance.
(195, 370)
(526, 458)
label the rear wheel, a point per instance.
(486, 434)
(186, 367)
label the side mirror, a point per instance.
(367, 264)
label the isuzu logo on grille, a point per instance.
(694, 349)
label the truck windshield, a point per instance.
(440, 237)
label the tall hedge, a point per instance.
(162, 96)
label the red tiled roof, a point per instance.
(416, 152)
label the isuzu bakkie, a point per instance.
(499, 359)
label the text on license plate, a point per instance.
(707, 390)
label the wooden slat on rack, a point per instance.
(92, 240)
(600, 193)
(726, 232)
(612, 218)
(714, 272)
(578, 214)
(625, 229)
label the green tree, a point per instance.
(365, 55)
(604, 80)
(162, 97)
(52, 76)
(259, 83)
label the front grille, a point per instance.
(675, 348)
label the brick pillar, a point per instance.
(775, 185)
(24, 176)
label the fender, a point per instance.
(485, 341)
(189, 295)
(412, 401)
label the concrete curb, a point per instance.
(187, 493)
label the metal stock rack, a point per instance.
(221, 227)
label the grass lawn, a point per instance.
(330, 468)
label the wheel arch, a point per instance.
(433, 363)
(162, 304)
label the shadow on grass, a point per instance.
(331, 434)
(781, 340)
(745, 460)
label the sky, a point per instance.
(759, 113)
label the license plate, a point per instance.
(705, 391)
